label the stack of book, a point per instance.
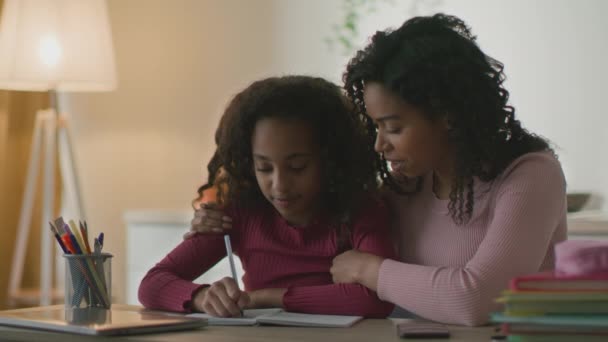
(552, 307)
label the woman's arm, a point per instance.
(168, 285)
(529, 204)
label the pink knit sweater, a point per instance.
(452, 273)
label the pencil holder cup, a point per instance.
(88, 280)
(88, 316)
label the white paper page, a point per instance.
(307, 320)
(249, 317)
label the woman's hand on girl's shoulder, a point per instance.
(208, 219)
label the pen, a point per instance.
(59, 226)
(78, 237)
(85, 236)
(230, 258)
(67, 229)
(231, 261)
(100, 238)
(76, 244)
(58, 238)
(68, 243)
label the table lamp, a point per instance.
(56, 46)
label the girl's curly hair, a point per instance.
(435, 64)
(346, 147)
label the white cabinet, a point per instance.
(151, 234)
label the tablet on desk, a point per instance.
(120, 320)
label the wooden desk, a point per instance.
(375, 330)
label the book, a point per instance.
(308, 320)
(540, 302)
(550, 281)
(555, 338)
(280, 317)
(528, 329)
(580, 321)
(557, 307)
(249, 317)
(579, 257)
(551, 296)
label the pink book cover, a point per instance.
(551, 281)
(580, 257)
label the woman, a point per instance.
(476, 199)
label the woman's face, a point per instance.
(287, 166)
(411, 143)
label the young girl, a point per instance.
(476, 199)
(291, 170)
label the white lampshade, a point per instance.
(62, 45)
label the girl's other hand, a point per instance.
(356, 267)
(208, 219)
(222, 299)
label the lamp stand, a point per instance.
(49, 128)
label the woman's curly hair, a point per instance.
(346, 147)
(435, 64)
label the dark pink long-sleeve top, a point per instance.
(277, 255)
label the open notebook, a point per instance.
(280, 317)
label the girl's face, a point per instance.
(287, 166)
(411, 143)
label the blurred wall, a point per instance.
(554, 53)
(146, 144)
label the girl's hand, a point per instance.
(208, 219)
(356, 267)
(222, 299)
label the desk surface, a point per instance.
(376, 330)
